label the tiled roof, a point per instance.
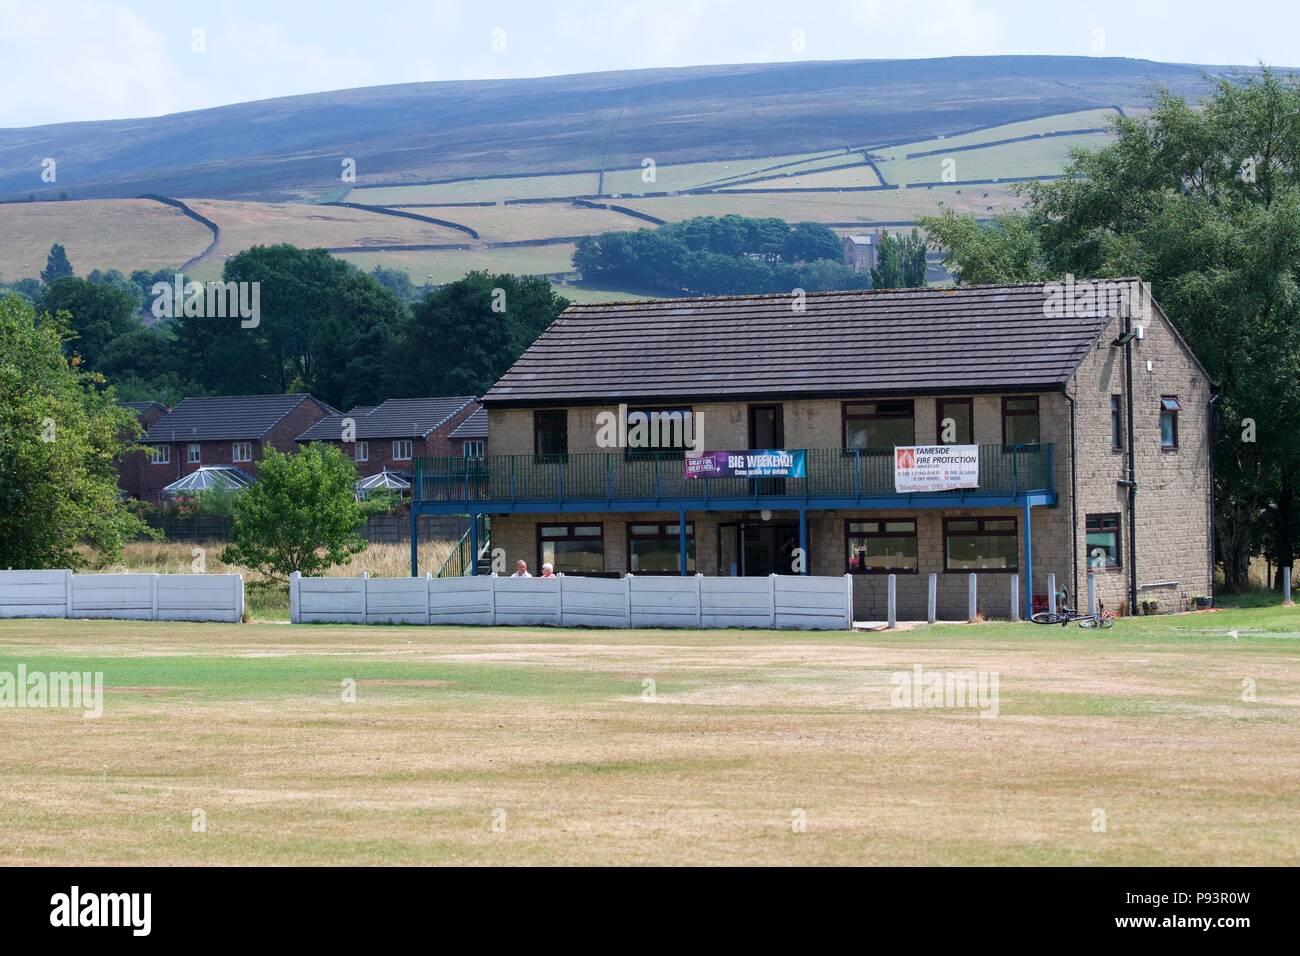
(223, 417)
(141, 407)
(475, 426)
(396, 418)
(965, 338)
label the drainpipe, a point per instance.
(1074, 503)
(1132, 466)
(1210, 428)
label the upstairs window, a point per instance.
(551, 434)
(1169, 409)
(241, 451)
(1116, 424)
(402, 449)
(160, 455)
(473, 449)
(879, 425)
(361, 451)
(1020, 421)
(661, 433)
(195, 453)
(955, 423)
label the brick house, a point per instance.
(862, 251)
(390, 436)
(1062, 403)
(131, 467)
(223, 430)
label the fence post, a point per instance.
(67, 593)
(239, 597)
(1051, 594)
(932, 599)
(365, 597)
(428, 597)
(153, 597)
(1015, 598)
(1286, 587)
(1092, 592)
(848, 601)
(891, 602)
(771, 583)
(699, 597)
(627, 594)
(295, 597)
(559, 599)
(971, 609)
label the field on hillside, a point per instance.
(515, 745)
(535, 221)
(126, 234)
(448, 266)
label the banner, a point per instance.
(760, 463)
(936, 467)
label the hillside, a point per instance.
(292, 148)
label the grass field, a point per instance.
(447, 266)
(535, 746)
(126, 234)
(540, 221)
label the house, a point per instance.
(224, 430)
(862, 252)
(1061, 434)
(384, 440)
(131, 467)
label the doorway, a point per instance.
(766, 430)
(757, 548)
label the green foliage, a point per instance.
(99, 316)
(719, 256)
(465, 334)
(60, 433)
(1203, 203)
(301, 515)
(901, 262)
(57, 265)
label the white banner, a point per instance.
(936, 467)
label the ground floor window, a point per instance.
(655, 548)
(886, 546)
(980, 544)
(571, 548)
(1103, 541)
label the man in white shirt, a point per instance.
(521, 570)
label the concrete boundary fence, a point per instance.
(136, 597)
(779, 601)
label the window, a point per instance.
(980, 544)
(1169, 409)
(881, 547)
(402, 449)
(361, 451)
(195, 454)
(655, 548)
(1020, 421)
(160, 455)
(960, 414)
(879, 424)
(571, 548)
(473, 449)
(1103, 542)
(241, 451)
(659, 433)
(1116, 424)
(551, 434)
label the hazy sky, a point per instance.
(79, 59)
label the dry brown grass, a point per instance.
(551, 732)
(177, 557)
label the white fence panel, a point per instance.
(736, 602)
(34, 593)
(335, 600)
(593, 602)
(806, 602)
(528, 600)
(397, 601)
(129, 596)
(463, 600)
(664, 602)
(200, 597)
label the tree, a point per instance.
(56, 264)
(301, 514)
(811, 241)
(99, 315)
(901, 262)
(1204, 204)
(60, 433)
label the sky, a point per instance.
(67, 60)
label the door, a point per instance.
(757, 548)
(766, 430)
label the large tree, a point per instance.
(57, 265)
(1203, 202)
(98, 315)
(60, 433)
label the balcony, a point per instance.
(613, 481)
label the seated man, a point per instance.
(521, 570)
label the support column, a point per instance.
(415, 542)
(1029, 560)
(473, 544)
(803, 539)
(681, 543)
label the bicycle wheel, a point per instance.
(1087, 623)
(1047, 617)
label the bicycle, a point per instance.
(1065, 614)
